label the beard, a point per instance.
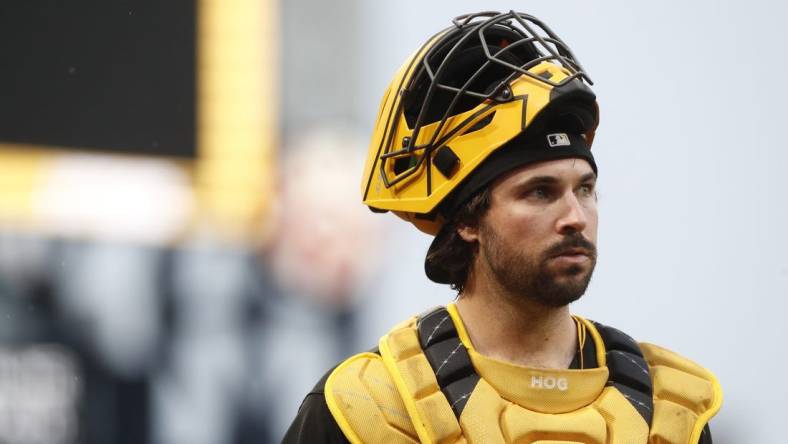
(531, 276)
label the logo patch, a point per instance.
(549, 383)
(558, 139)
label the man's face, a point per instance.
(538, 238)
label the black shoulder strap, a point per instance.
(448, 357)
(628, 370)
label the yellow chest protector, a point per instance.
(428, 384)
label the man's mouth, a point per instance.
(572, 252)
(572, 256)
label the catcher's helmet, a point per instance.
(489, 81)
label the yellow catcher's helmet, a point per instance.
(479, 85)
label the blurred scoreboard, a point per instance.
(187, 86)
(117, 76)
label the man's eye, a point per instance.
(586, 190)
(539, 193)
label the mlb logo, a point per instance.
(558, 139)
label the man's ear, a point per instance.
(468, 233)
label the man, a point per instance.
(483, 140)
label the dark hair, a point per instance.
(452, 254)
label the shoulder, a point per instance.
(682, 381)
(684, 395)
(365, 402)
(355, 402)
(360, 401)
(683, 390)
(670, 372)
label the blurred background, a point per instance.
(183, 252)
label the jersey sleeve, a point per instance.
(705, 436)
(314, 422)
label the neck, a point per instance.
(517, 329)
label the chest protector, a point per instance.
(428, 384)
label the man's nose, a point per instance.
(573, 218)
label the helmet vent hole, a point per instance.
(547, 75)
(402, 164)
(480, 124)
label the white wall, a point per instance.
(693, 202)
